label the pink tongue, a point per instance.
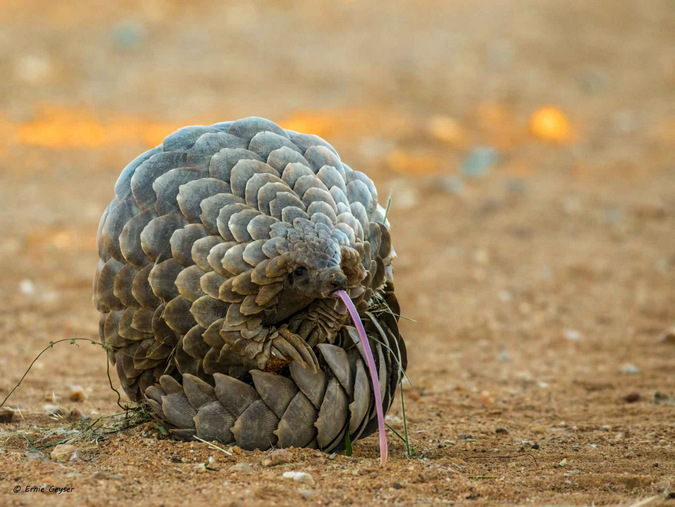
(372, 368)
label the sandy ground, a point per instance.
(542, 283)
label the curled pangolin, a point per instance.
(220, 259)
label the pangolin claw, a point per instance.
(291, 346)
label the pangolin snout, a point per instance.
(333, 280)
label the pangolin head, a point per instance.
(318, 264)
(318, 261)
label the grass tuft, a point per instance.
(87, 430)
(379, 308)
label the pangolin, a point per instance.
(222, 256)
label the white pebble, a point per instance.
(241, 467)
(630, 369)
(301, 477)
(505, 296)
(572, 335)
(33, 68)
(26, 287)
(307, 493)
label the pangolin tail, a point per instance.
(297, 407)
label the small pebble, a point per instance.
(651, 209)
(505, 296)
(277, 457)
(630, 369)
(26, 287)
(486, 398)
(632, 397)
(63, 452)
(241, 467)
(504, 356)
(501, 431)
(34, 68)
(660, 398)
(668, 337)
(301, 477)
(127, 36)
(452, 184)
(572, 335)
(397, 485)
(516, 186)
(6, 415)
(76, 393)
(307, 493)
(594, 80)
(479, 162)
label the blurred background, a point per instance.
(527, 147)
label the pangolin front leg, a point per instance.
(270, 349)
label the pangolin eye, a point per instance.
(300, 271)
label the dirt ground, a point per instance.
(536, 254)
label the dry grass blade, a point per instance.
(213, 446)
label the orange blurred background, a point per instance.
(425, 96)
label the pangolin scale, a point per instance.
(220, 255)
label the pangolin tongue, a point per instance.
(371, 367)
